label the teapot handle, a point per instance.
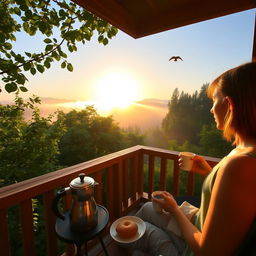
(55, 201)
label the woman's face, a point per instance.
(219, 108)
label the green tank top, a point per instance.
(205, 201)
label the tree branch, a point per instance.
(43, 55)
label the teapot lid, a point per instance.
(82, 181)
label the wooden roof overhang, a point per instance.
(140, 18)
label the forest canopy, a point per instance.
(189, 125)
(30, 148)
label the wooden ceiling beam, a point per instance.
(254, 43)
(196, 12)
(145, 17)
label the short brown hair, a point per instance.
(240, 85)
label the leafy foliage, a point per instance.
(187, 114)
(45, 17)
(212, 142)
(90, 135)
(27, 148)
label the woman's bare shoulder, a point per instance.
(239, 170)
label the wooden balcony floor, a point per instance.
(112, 247)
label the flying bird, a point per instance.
(175, 58)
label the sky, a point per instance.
(141, 67)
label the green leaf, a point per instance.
(11, 87)
(63, 64)
(70, 67)
(21, 79)
(33, 71)
(27, 66)
(7, 46)
(13, 54)
(62, 12)
(47, 40)
(63, 54)
(70, 48)
(28, 54)
(40, 68)
(49, 59)
(28, 14)
(100, 39)
(57, 57)
(23, 89)
(8, 55)
(17, 11)
(105, 41)
(48, 47)
(47, 64)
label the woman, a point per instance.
(228, 206)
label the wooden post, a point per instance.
(51, 238)
(4, 234)
(163, 173)
(151, 167)
(28, 235)
(254, 42)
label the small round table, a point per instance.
(64, 233)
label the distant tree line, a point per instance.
(189, 126)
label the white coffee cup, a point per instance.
(187, 160)
(157, 207)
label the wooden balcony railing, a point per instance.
(125, 179)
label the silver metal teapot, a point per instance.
(83, 212)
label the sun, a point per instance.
(116, 90)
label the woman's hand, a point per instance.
(200, 165)
(168, 203)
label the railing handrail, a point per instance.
(10, 195)
(165, 152)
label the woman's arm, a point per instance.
(189, 232)
(232, 208)
(231, 211)
(200, 165)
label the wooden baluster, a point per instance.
(163, 173)
(126, 183)
(151, 165)
(134, 177)
(98, 188)
(4, 235)
(176, 177)
(190, 184)
(28, 236)
(110, 191)
(118, 188)
(140, 173)
(51, 239)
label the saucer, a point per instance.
(141, 229)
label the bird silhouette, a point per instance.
(175, 58)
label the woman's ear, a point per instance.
(230, 102)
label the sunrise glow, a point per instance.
(116, 90)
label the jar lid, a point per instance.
(82, 181)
